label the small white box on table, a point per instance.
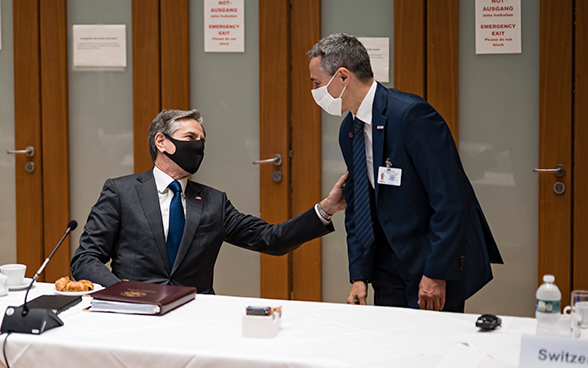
(261, 326)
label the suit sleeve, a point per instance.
(250, 232)
(98, 239)
(435, 157)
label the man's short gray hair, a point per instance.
(343, 50)
(166, 122)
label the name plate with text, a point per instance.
(553, 351)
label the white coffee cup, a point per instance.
(15, 273)
(579, 303)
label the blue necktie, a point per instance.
(364, 229)
(176, 222)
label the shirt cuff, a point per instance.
(325, 222)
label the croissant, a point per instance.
(65, 284)
(61, 283)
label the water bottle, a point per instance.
(548, 307)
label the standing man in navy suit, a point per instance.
(415, 229)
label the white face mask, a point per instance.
(330, 104)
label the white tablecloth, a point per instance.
(207, 332)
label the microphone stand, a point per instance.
(25, 309)
(34, 320)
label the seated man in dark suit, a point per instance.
(160, 227)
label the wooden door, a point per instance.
(563, 234)
(426, 54)
(274, 136)
(41, 116)
(306, 147)
(289, 126)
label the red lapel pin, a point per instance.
(350, 134)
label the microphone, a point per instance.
(34, 320)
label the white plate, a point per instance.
(97, 287)
(27, 282)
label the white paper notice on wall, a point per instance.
(99, 45)
(224, 26)
(498, 26)
(378, 49)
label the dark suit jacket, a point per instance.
(432, 221)
(125, 226)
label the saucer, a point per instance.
(97, 287)
(27, 282)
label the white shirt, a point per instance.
(364, 113)
(162, 181)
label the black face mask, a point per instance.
(188, 155)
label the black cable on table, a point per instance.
(4, 350)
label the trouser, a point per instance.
(391, 285)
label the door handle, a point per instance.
(276, 160)
(558, 170)
(29, 151)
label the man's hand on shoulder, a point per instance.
(358, 293)
(335, 202)
(431, 294)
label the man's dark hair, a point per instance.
(343, 50)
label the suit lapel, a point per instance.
(379, 121)
(193, 216)
(147, 192)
